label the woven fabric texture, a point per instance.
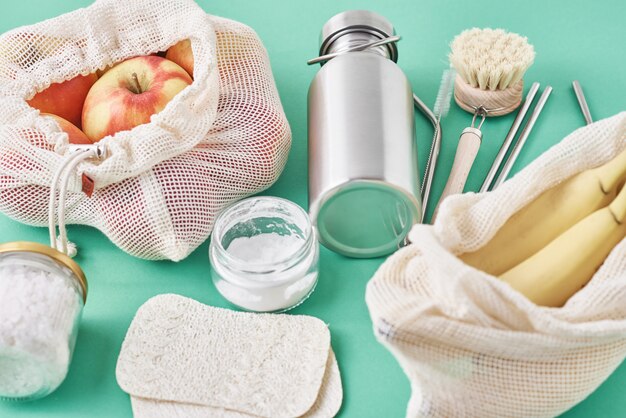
(470, 344)
(222, 138)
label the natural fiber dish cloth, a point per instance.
(180, 350)
(327, 404)
(470, 344)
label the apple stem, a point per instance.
(137, 86)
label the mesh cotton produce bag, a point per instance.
(156, 195)
(470, 344)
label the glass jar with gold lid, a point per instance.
(42, 294)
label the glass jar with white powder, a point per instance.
(42, 293)
(264, 254)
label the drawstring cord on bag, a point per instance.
(78, 154)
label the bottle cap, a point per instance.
(363, 21)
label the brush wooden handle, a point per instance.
(466, 152)
(496, 102)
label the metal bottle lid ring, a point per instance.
(363, 47)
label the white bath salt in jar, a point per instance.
(264, 254)
(42, 293)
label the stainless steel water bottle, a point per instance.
(363, 176)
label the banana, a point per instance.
(549, 215)
(555, 273)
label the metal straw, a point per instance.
(433, 158)
(530, 96)
(523, 137)
(582, 102)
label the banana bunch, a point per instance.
(565, 265)
(552, 247)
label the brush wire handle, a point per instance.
(466, 152)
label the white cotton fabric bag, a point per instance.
(157, 194)
(470, 344)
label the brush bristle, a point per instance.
(491, 59)
(444, 95)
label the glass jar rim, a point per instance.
(54, 255)
(263, 267)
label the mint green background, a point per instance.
(578, 39)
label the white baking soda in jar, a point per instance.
(264, 254)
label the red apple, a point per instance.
(124, 213)
(75, 135)
(65, 99)
(18, 199)
(232, 52)
(24, 49)
(233, 47)
(101, 72)
(182, 55)
(30, 202)
(130, 93)
(27, 204)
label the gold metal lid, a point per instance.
(59, 257)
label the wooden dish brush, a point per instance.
(490, 65)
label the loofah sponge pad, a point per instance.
(183, 352)
(491, 59)
(327, 404)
